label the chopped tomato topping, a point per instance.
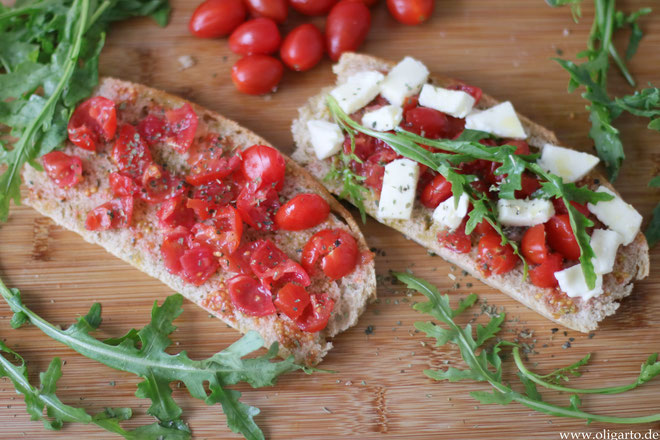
(456, 240)
(131, 153)
(435, 192)
(198, 264)
(315, 317)
(258, 207)
(174, 213)
(222, 232)
(494, 257)
(207, 170)
(292, 300)
(181, 127)
(522, 147)
(561, 238)
(560, 207)
(431, 123)
(543, 275)
(92, 120)
(250, 297)
(336, 250)
(374, 168)
(474, 91)
(64, 170)
(114, 214)
(272, 266)
(174, 246)
(158, 185)
(122, 185)
(219, 193)
(533, 245)
(264, 167)
(239, 261)
(302, 212)
(152, 129)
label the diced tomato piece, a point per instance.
(174, 213)
(131, 152)
(258, 208)
(494, 257)
(207, 170)
(181, 127)
(264, 167)
(198, 264)
(292, 300)
(316, 315)
(363, 145)
(336, 250)
(543, 275)
(64, 170)
(175, 244)
(529, 184)
(474, 91)
(220, 193)
(484, 228)
(302, 212)
(522, 147)
(456, 240)
(431, 123)
(374, 168)
(223, 232)
(152, 129)
(122, 185)
(239, 261)
(158, 185)
(560, 207)
(203, 210)
(436, 192)
(250, 297)
(114, 214)
(92, 120)
(210, 147)
(561, 238)
(271, 265)
(533, 245)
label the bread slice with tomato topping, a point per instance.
(379, 96)
(213, 211)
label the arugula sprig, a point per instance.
(467, 149)
(484, 362)
(143, 354)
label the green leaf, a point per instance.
(530, 388)
(494, 397)
(562, 374)
(652, 231)
(650, 369)
(607, 141)
(240, 417)
(454, 375)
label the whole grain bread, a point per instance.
(632, 261)
(139, 245)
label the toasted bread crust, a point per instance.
(632, 260)
(139, 246)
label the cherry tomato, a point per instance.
(316, 315)
(312, 7)
(543, 275)
(114, 214)
(152, 129)
(174, 213)
(410, 12)
(431, 123)
(64, 170)
(302, 212)
(174, 246)
(198, 264)
(484, 227)
(223, 232)
(369, 3)
(258, 207)
(529, 184)
(264, 166)
(210, 169)
(494, 257)
(159, 185)
(346, 27)
(239, 260)
(533, 245)
(219, 193)
(122, 185)
(292, 300)
(92, 120)
(131, 153)
(302, 48)
(522, 147)
(337, 251)
(561, 237)
(274, 267)
(250, 297)
(435, 192)
(456, 240)
(560, 207)
(257, 74)
(216, 18)
(275, 9)
(257, 36)
(473, 91)
(181, 127)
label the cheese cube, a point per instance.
(385, 118)
(618, 216)
(572, 282)
(448, 215)
(405, 79)
(456, 103)
(326, 137)
(358, 90)
(500, 120)
(605, 244)
(568, 164)
(524, 212)
(399, 189)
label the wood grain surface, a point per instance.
(378, 390)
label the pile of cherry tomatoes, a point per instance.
(252, 26)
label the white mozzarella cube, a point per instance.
(449, 215)
(326, 137)
(618, 216)
(605, 244)
(385, 118)
(572, 282)
(399, 189)
(405, 79)
(500, 120)
(524, 212)
(456, 103)
(568, 164)
(358, 90)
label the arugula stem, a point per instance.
(622, 66)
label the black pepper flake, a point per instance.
(369, 330)
(554, 330)
(566, 345)
(591, 335)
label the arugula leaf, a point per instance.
(576, 9)
(652, 231)
(143, 353)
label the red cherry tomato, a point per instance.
(250, 297)
(292, 300)
(258, 207)
(239, 261)
(522, 147)
(302, 48)
(131, 153)
(64, 170)
(198, 264)
(533, 245)
(223, 232)
(494, 257)
(302, 212)
(264, 166)
(159, 185)
(346, 27)
(122, 185)
(431, 123)
(257, 74)
(92, 120)
(216, 18)
(561, 237)
(410, 12)
(456, 240)
(312, 7)
(174, 246)
(337, 251)
(114, 214)
(529, 184)
(316, 315)
(174, 213)
(219, 193)
(275, 9)
(152, 129)
(273, 267)
(473, 91)
(484, 227)
(435, 192)
(210, 169)
(560, 207)
(258, 36)
(181, 127)
(369, 3)
(543, 275)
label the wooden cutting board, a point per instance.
(378, 390)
